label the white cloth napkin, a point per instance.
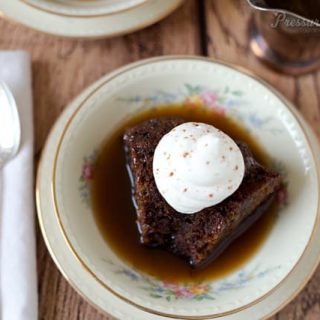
(18, 279)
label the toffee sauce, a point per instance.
(116, 218)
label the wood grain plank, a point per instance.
(61, 70)
(228, 40)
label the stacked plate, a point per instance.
(87, 18)
(267, 282)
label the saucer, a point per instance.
(79, 19)
(255, 291)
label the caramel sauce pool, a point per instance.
(116, 218)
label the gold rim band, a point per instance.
(87, 268)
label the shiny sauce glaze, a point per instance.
(115, 214)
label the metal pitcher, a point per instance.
(286, 34)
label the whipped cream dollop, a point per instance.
(196, 166)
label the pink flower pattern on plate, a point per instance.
(87, 171)
(86, 176)
(209, 98)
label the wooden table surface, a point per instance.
(63, 68)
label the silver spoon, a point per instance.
(10, 131)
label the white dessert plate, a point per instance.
(269, 280)
(87, 19)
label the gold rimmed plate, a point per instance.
(262, 286)
(87, 19)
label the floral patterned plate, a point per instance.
(267, 281)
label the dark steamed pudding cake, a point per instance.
(200, 237)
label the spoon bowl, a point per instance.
(10, 131)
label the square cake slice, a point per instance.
(201, 237)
